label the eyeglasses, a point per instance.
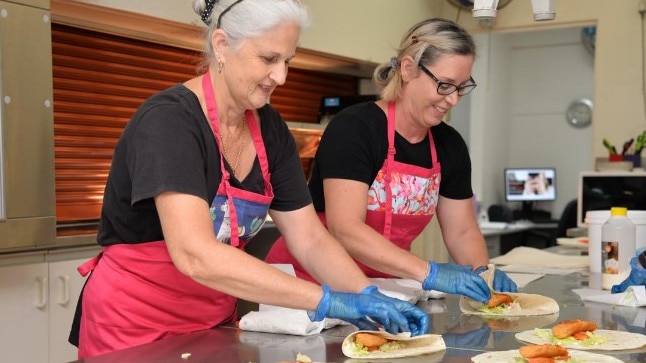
(445, 88)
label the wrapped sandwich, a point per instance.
(372, 344)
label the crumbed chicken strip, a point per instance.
(542, 351)
(568, 328)
(370, 341)
(499, 299)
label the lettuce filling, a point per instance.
(592, 339)
(390, 346)
(500, 309)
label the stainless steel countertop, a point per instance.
(465, 335)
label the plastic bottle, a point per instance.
(617, 247)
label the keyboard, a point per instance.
(493, 225)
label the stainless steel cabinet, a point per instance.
(26, 112)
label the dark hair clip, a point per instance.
(414, 39)
(206, 14)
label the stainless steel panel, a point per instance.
(27, 125)
(16, 234)
(43, 4)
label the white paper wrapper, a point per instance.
(405, 289)
(276, 319)
(528, 256)
(634, 296)
(285, 321)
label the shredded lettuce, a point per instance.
(546, 334)
(500, 309)
(390, 346)
(386, 347)
(359, 349)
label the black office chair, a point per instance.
(499, 213)
(568, 220)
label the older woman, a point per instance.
(194, 174)
(384, 169)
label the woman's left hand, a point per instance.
(502, 282)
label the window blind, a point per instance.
(100, 79)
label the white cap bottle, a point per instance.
(617, 247)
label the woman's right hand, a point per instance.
(456, 279)
(366, 311)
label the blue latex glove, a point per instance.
(637, 277)
(502, 282)
(456, 279)
(418, 319)
(474, 338)
(363, 310)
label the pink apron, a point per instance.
(149, 299)
(400, 211)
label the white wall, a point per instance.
(363, 29)
(176, 10)
(517, 113)
(550, 69)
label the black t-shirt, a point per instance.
(168, 145)
(355, 143)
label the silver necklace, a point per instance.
(242, 143)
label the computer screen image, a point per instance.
(604, 190)
(529, 185)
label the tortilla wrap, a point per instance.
(410, 346)
(523, 305)
(508, 356)
(614, 340)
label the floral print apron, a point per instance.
(149, 298)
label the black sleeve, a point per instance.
(354, 144)
(168, 154)
(287, 176)
(455, 161)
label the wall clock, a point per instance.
(579, 113)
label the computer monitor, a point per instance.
(606, 189)
(529, 185)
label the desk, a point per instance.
(464, 335)
(501, 241)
